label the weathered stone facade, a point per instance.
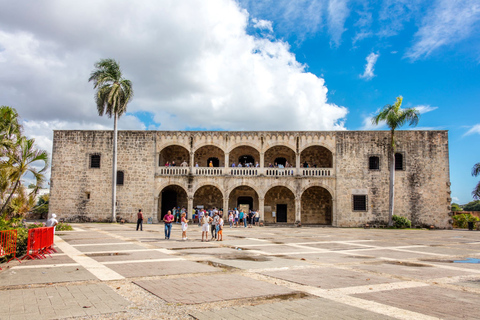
(339, 171)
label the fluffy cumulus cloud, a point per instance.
(370, 66)
(192, 64)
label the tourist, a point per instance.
(252, 218)
(176, 214)
(167, 164)
(215, 220)
(245, 219)
(230, 218)
(210, 164)
(200, 217)
(220, 229)
(173, 164)
(241, 216)
(52, 222)
(184, 164)
(257, 165)
(239, 164)
(257, 216)
(140, 219)
(168, 219)
(237, 215)
(184, 211)
(196, 164)
(305, 164)
(205, 225)
(184, 226)
(270, 165)
(233, 165)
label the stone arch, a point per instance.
(207, 151)
(162, 186)
(278, 183)
(279, 151)
(314, 144)
(316, 156)
(317, 184)
(317, 206)
(246, 184)
(281, 200)
(171, 195)
(208, 196)
(243, 150)
(175, 153)
(243, 144)
(243, 192)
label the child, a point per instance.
(184, 226)
(220, 229)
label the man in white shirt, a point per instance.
(52, 222)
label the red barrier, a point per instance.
(40, 242)
(8, 244)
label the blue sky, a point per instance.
(249, 65)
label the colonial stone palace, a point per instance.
(338, 178)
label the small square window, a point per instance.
(95, 161)
(374, 163)
(359, 203)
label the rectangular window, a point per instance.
(374, 163)
(359, 203)
(398, 161)
(120, 178)
(95, 161)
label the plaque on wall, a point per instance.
(267, 209)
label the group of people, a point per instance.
(246, 165)
(173, 164)
(211, 221)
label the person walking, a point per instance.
(184, 226)
(230, 218)
(205, 225)
(220, 230)
(140, 219)
(168, 219)
(52, 222)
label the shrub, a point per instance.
(462, 220)
(36, 225)
(62, 226)
(401, 222)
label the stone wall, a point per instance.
(317, 206)
(280, 195)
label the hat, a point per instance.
(54, 215)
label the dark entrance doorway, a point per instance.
(281, 213)
(280, 160)
(245, 201)
(169, 200)
(246, 159)
(214, 160)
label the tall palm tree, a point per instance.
(112, 96)
(395, 117)
(475, 173)
(10, 129)
(21, 161)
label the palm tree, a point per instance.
(475, 173)
(395, 117)
(10, 129)
(21, 161)
(112, 96)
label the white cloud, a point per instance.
(369, 67)
(337, 15)
(425, 108)
(262, 24)
(368, 125)
(473, 130)
(446, 23)
(192, 65)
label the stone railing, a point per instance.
(207, 171)
(173, 171)
(243, 171)
(316, 172)
(280, 171)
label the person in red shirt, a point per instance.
(140, 219)
(168, 219)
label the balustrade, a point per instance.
(280, 171)
(244, 171)
(173, 171)
(315, 172)
(208, 171)
(252, 172)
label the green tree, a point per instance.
(475, 173)
(22, 160)
(456, 207)
(472, 206)
(41, 210)
(112, 95)
(10, 129)
(395, 117)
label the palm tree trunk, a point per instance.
(114, 170)
(10, 196)
(392, 183)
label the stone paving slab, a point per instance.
(109, 248)
(329, 278)
(54, 258)
(249, 261)
(412, 272)
(434, 301)
(194, 290)
(310, 308)
(160, 268)
(172, 244)
(340, 246)
(76, 242)
(392, 254)
(125, 256)
(57, 302)
(279, 249)
(334, 257)
(27, 276)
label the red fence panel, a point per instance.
(8, 243)
(40, 242)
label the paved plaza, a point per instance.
(111, 271)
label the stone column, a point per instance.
(298, 210)
(262, 159)
(227, 156)
(261, 209)
(297, 163)
(192, 161)
(190, 208)
(156, 204)
(225, 208)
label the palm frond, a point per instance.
(476, 192)
(476, 169)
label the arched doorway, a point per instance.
(243, 196)
(280, 161)
(244, 154)
(208, 197)
(214, 160)
(279, 205)
(279, 154)
(171, 196)
(317, 206)
(205, 154)
(246, 159)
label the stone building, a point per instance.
(345, 184)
